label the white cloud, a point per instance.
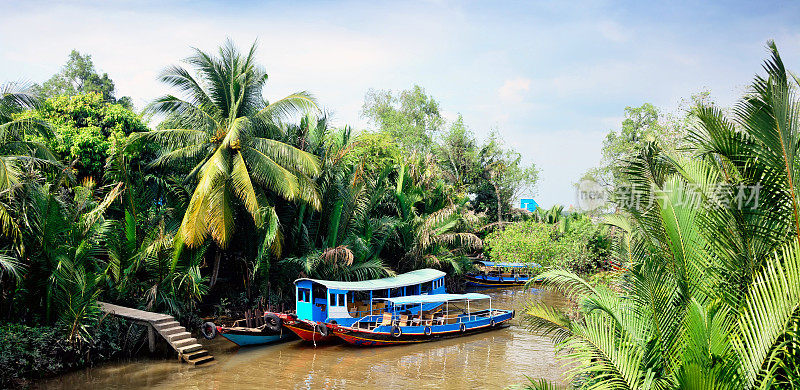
(514, 90)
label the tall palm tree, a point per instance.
(222, 131)
(63, 236)
(433, 239)
(17, 148)
(711, 298)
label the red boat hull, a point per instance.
(307, 331)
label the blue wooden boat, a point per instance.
(241, 335)
(452, 317)
(320, 304)
(499, 274)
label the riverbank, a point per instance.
(489, 360)
(31, 353)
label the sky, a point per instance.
(551, 77)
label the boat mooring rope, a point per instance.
(314, 336)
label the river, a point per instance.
(491, 360)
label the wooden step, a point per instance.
(201, 360)
(178, 336)
(189, 348)
(173, 330)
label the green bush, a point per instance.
(525, 242)
(576, 243)
(28, 353)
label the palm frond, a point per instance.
(287, 155)
(294, 104)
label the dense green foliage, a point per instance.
(710, 297)
(86, 129)
(492, 173)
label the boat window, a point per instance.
(397, 292)
(303, 295)
(341, 299)
(319, 292)
(359, 296)
(426, 287)
(333, 299)
(380, 294)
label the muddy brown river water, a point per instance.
(491, 360)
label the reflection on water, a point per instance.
(493, 359)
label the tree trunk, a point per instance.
(499, 209)
(215, 271)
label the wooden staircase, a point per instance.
(188, 348)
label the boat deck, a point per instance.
(435, 317)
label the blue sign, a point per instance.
(528, 204)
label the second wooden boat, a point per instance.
(492, 274)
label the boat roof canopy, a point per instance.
(402, 280)
(508, 265)
(435, 298)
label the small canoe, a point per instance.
(252, 336)
(269, 332)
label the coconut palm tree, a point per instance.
(711, 296)
(223, 132)
(344, 240)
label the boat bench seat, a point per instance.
(387, 319)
